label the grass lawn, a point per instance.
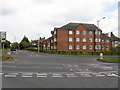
(5, 58)
(111, 59)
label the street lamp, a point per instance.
(38, 44)
(99, 35)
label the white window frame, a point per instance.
(70, 47)
(107, 47)
(90, 32)
(84, 32)
(84, 47)
(107, 41)
(54, 32)
(102, 46)
(55, 47)
(77, 47)
(90, 39)
(102, 41)
(84, 39)
(90, 47)
(70, 32)
(77, 39)
(97, 33)
(77, 32)
(97, 40)
(70, 40)
(55, 39)
(97, 47)
(51, 47)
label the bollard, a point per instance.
(8, 55)
(101, 56)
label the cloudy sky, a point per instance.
(35, 18)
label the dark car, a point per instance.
(13, 49)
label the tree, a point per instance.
(6, 44)
(25, 43)
(15, 45)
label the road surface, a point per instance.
(33, 70)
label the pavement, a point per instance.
(32, 70)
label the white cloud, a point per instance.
(32, 17)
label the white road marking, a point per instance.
(71, 76)
(41, 76)
(114, 75)
(99, 75)
(11, 75)
(57, 75)
(41, 73)
(1, 74)
(27, 75)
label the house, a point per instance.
(115, 40)
(106, 42)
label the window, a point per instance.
(107, 41)
(97, 40)
(97, 33)
(84, 39)
(90, 39)
(51, 47)
(97, 47)
(70, 39)
(70, 46)
(77, 47)
(70, 32)
(116, 42)
(102, 41)
(77, 32)
(84, 47)
(55, 47)
(107, 47)
(54, 32)
(102, 47)
(55, 39)
(90, 46)
(84, 32)
(77, 39)
(90, 32)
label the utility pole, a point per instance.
(99, 35)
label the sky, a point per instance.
(37, 18)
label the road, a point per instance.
(33, 70)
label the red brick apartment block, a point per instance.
(76, 37)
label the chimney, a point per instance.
(109, 34)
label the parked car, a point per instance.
(13, 49)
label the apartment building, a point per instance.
(77, 37)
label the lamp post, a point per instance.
(38, 44)
(99, 35)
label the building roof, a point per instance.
(73, 26)
(114, 38)
(105, 36)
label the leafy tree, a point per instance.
(15, 45)
(6, 44)
(25, 43)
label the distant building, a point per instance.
(115, 40)
(35, 43)
(106, 42)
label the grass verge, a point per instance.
(111, 59)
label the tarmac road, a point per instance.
(33, 70)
